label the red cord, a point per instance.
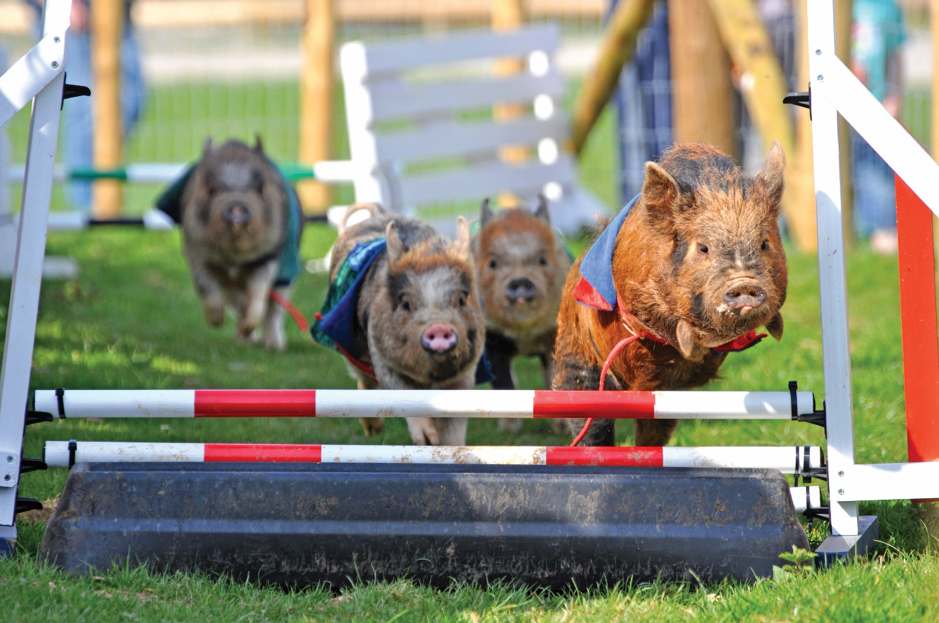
(603, 371)
(293, 311)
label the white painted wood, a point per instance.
(885, 481)
(37, 68)
(452, 138)
(438, 455)
(30, 249)
(412, 82)
(831, 266)
(484, 180)
(885, 134)
(786, 459)
(119, 403)
(393, 100)
(56, 453)
(731, 405)
(396, 56)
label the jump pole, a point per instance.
(70, 403)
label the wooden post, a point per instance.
(509, 15)
(619, 39)
(799, 196)
(105, 28)
(843, 22)
(316, 99)
(701, 87)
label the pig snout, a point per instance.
(744, 296)
(236, 214)
(521, 288)
(439, 338)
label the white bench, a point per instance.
(423, 138)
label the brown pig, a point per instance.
(693, 266)
(521, 265)
(404, 310)
(241, 226)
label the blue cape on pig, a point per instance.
(333, 327)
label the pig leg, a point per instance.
(257, 293)
(654, 432)
(424, 431)
(558, 425)
(274, 336)
(371, 425)
(501, 365)
(210, 295)
(573, 374)
(452, 431)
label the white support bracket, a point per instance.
(38, 76)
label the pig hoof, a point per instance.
(510, 425)
(423, 432)
(560, 427)
(372, 425)
(214, 317)
(275, 341)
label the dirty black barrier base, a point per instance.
(301, 524)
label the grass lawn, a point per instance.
(131, 320)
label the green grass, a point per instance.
(131, 320)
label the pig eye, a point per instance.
(764, 246)
(492, 264)
(703, 248)
(543, 261)
(462, 300)
(404, 304)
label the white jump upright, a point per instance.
(834, 89)
(38, 76)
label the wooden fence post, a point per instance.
(615, 49)
(317, 88)
(701, 86)
(105, 27)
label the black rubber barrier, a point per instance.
(301, 524)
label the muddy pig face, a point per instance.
(521, 266)
(237, 188)
(436, 330)
(728, 266)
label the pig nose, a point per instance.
(237, 214)
(744, 296)
(521, 288)
(438, 338)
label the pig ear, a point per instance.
(485, 214)
(206, 146)
(542, 210)
(689, 348)
(775, 326)
(258, 145)
(395, 246)
(661, 193)
(462, 237)
(767, 186)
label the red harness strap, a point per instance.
(742, 342)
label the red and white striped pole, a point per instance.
(793, 459)
(155, 403)
(786, 459)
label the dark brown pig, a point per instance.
(241, 227)
(412, 319)
(693, 267)
(521, 265)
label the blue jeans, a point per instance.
(77, 119)
(875, 199)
